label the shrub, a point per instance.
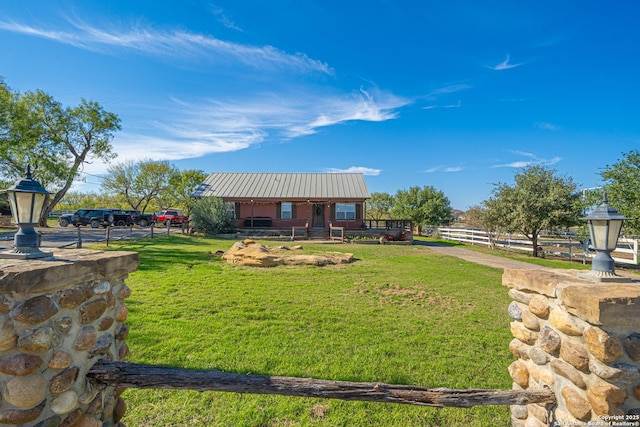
(210, 216)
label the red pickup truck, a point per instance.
(176, 217)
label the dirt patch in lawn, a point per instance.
(393, 293)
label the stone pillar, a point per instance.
(58, 316)
(579, 338)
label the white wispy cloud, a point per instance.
(449, 89)
(364, 105)
(433, 169)
(192, 129)
(548, 126)
(505, 65)
(223, 18)
(533, 159)
(456, 105)
(441, 93)
(169, 43)
(447, 169)
(356, 169)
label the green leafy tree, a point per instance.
(379, 206)
(139, 184)
(622, 181)
(479, 216)
(75, 200)
(181, 185)
(210, 216)
(426, 207)
(538, 200)
(57, 141)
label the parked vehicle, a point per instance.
(92, 217)
(176, 217)
(122, 218)
(142, 219)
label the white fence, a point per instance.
(566, 245)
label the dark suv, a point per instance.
(92, 217)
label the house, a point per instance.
(286, 200)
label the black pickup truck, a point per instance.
(141, 219)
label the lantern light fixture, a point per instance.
(26, 198)
(605, 224)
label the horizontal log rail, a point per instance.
(151, 376)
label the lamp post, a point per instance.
(26, 198)
(605, 224)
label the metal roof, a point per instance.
(262, 185)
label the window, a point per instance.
(231, 209)
(345, 211)
(286, 212)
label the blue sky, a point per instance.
(457, 95)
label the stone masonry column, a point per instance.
(58, 316)
(579, 338)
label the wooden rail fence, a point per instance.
(133, 375)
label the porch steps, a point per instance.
(318, 234)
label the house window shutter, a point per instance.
(278, 210)
(237, 207)
(294, 211)
(358, 210)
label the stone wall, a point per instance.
(58, 316)
(582, 340)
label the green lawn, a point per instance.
(398, 314)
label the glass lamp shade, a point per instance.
(605, 233)
(26, 207)
(605, 224)
(26, 198)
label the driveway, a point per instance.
(477, 257)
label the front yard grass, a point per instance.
(398, 314)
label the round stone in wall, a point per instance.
(65, 402)
(539, 305)
(603, 346)
(538, 356)
(514, 311)
(21, 416)
(8, 337)
(577, 405)
(38, 340)
(24, 392)
(86, 338)
(20, 364)
(549, 340)
(60, 360)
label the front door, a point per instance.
(318, 215)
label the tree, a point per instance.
(622, 180)
(181, 185)
(379, 206)
(37, 130)
(210, 216)
(139, 183)
(479, 216)
(74, 200)
(539, 200)
(424, 206)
